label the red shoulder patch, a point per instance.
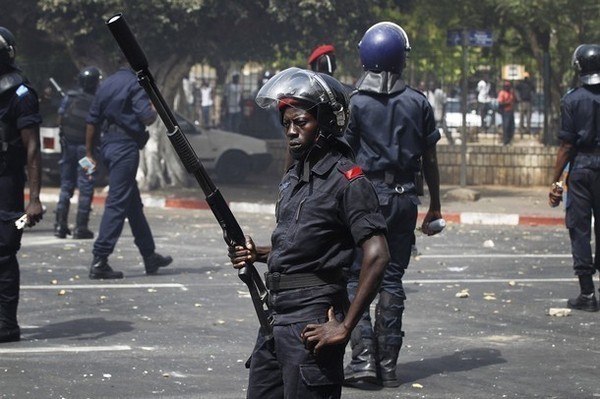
(353, 173)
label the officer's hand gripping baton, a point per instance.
(232, 232)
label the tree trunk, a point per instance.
(160, 165)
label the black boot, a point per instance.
(363, 366)
(100, 269)
(362, 369)
(155, 261)
(388, 330)
(61, 226)
(587, 299)
(9, 328)
(82, 232)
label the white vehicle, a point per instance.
(231, 156)
(51, 153)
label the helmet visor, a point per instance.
(292, 83)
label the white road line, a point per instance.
(66, 349)
(497, 256)
(490, 280)
(100, 286)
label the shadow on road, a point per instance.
(79, 329)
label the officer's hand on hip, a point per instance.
(316, 336)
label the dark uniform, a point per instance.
(392, 131)
(389, 139)
(583, 132)
(19, 109)
(320, 220)
(123, 110)
(73, 111)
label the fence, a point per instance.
(486, 164)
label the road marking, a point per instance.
(497, 256)
(490, 280)
(66, 349)
(100, 286)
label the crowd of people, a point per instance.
(348, 199)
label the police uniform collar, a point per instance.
(380, 82)
(10, 80)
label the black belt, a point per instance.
(279, 282)
(595, 150)
(391, 177)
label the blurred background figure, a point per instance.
(322, 59)
(483, 101)
(525, 92)
(506, 106)
(206, 103)
(71, 118)
(232, 104)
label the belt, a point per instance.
(280, 281)
(391, 177)
(595, 150)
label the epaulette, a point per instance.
(353, 173)
(10, 80)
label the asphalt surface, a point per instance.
(477, 321)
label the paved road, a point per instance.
(187, 332)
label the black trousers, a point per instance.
(11, 205)
(284, 368)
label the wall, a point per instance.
(486, 164)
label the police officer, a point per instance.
(322, 59)
(580, 146)
(326, 208)
(72, 112)
(392, 129)
(123, 110)
(19, 147)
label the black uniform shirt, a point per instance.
(580, 118)
(390, 132)
(122, 101)
(19, 107)
(319, 223)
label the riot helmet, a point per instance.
(322, 59)
(322, 91)
(7, 48)
(586, 59)
(384, 47)
(89, 78)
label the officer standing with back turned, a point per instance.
(392, 130)
(580, 146)
(71, 118)
(19, 148)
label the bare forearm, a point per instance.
(90, 131)
(562, 159)
(375, 260)
(432, 177)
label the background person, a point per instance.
(71, 118)
(506, 106)
(392, 128)
(206, 103)
(19, 149)
(326, 208)
(580, 148)
(123, 110)
(525, 91)
(232, 104)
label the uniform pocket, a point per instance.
(318, 376)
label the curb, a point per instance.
(472, 218)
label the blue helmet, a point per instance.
(383, 47)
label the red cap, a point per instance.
(319, 51)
